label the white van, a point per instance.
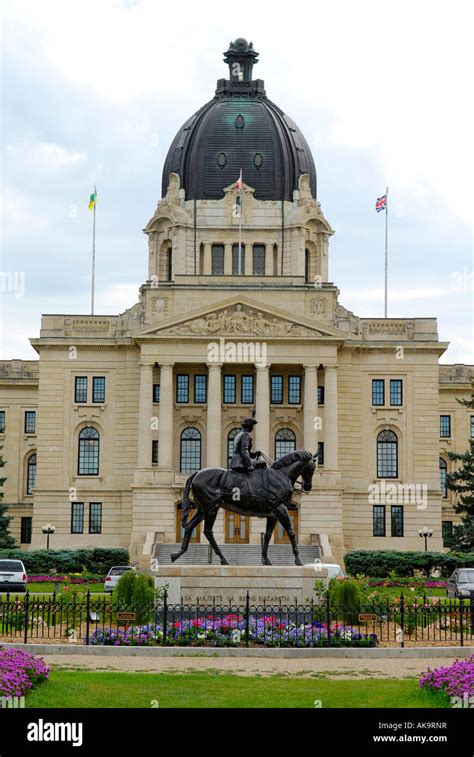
(12, 575)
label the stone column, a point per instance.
(262, 409)
(214, 415)
(165, 426)
(145, 414)
(330, 418)
(310, 407)
(269, 259)
(248, 263)
(207, 259)
(228, 259)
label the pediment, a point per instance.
(239, 317)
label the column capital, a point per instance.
(166, 364)
(310, 366)
(147, 364)
(259, 367)
(214, 365)
(330, 367)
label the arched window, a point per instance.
(230, 443)
(387, 454)
(190, 452)
(443, 470)
(217, 253)
(31, 473)
(88, 453)
(285, 441)
(169, 264)
(306, 265)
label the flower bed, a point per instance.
(407, 582)
(19, 672)
(73, 578)
(230, 630)
(457, 680)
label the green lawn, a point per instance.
(91, 689)
(38, 589)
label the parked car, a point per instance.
(12, 575)
(461, 583)
(114, 575)
(334, 570)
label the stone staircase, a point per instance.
(236, 554)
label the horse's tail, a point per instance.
(186, 505)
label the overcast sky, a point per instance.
(94, 91)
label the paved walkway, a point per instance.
(330, 668)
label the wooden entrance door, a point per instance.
(279, 535)
(236, 528)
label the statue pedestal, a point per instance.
(228, 584)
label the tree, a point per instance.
(461, 481)
(6, 539)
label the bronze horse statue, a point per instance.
(266, 493)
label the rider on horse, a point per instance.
(243, 455)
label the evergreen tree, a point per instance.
(6, 539)
(461, 481)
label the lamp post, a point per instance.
(48, 529)
(426, 533)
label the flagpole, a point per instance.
(386, 250)
(240, 226)
(93, 253)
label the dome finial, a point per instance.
(240, 58)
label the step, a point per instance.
(236, 554)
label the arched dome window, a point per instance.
(31, 473)
(88, 452)
(230, 443)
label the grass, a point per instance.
(40, 589)
(91, 689)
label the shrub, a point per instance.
(136, 592)
(389, 563)
(98, 561)
(346, 596)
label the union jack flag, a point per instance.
(381, 203)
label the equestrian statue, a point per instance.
(246, 489)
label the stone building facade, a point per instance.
(238, 312)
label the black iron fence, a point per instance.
(89, 619)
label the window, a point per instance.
(235, 259)
(294, 390)
(95, 517)
(396, 392)
(98, 389)
(230, 443)
(217, 259)
(306, 265)
(443, 470)
(169, 264)
(2, 421)
(471, 431)
(88, 458)
(387, 455)
(31, 474)
(378, 527)
(397, 520)
(182, 387)
(80, 389)
(230, 393)
(247, 390)
(276, 390)
(25, 532)
(190, 453)
(445, 426)
(156, 393)
(77, 518)
(259, 260)
(154, 451)
(30, 422)
(285, 442)
(378, 392)
(447, 532)
(200, 388)
(320, 395)
(321, 453)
